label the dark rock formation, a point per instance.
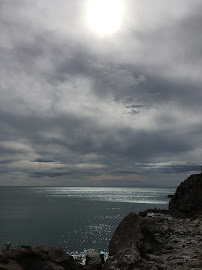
(169, 196)
(188, 196)
(37, 258)
(162, 239)
(127, 234)
(94, 260)
(166, 242)
(130, 244)
(123, 245)
(125, 259)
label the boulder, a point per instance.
(124, 259)
(169, 196)
(37, 257)
(123, 251)
(131, 242)
(127, 234)
(188, 196)
(94, 260)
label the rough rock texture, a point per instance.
(125, 234)
(94, 260)
(188, 196)
(125, 259)
(162, 239)
(37, 258)
(168, 242)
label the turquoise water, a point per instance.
(75, 219)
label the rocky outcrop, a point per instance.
(164, 241)
(126, 235)
(37, 258)
(188, 196)
(94, 261)
(123, 245)
(130, 244)
(169, 196)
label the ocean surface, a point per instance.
(75, 219)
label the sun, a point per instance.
(105, 16)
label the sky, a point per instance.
(100, 97)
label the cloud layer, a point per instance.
(79, 109)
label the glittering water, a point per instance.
(75, 219)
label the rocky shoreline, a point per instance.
(159, 240)
(154, 239)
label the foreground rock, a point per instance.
(37, 258)
(160, 241)
(188, 196)
(126, 235)
(94, 261)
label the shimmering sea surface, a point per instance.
(75, 219)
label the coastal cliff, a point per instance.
(162, 239)
(188, 196)
(151, 240)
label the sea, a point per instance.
(76, 219)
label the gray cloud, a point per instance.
(76, 109)
(133, 112)
(43, 160)
(135, 106)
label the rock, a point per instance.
(131, 242)
(95, 260)
(150, 243)
(156, 239)
(188, 196)
(89, 267)
(127, 234)
(160, 239)
(170, 196)
(35, 258)
(124, 259)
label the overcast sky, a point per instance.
(78, 107)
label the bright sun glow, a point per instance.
(105, 16)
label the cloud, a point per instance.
(136, 106)
(75, 107)
(172, 167)
(43, 160)
(133, 112)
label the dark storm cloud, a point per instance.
(73, 106)
(49, 174)
(43, 160)
(126, 142)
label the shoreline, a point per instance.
(155, 239)
(151, 240)
(162, 240)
